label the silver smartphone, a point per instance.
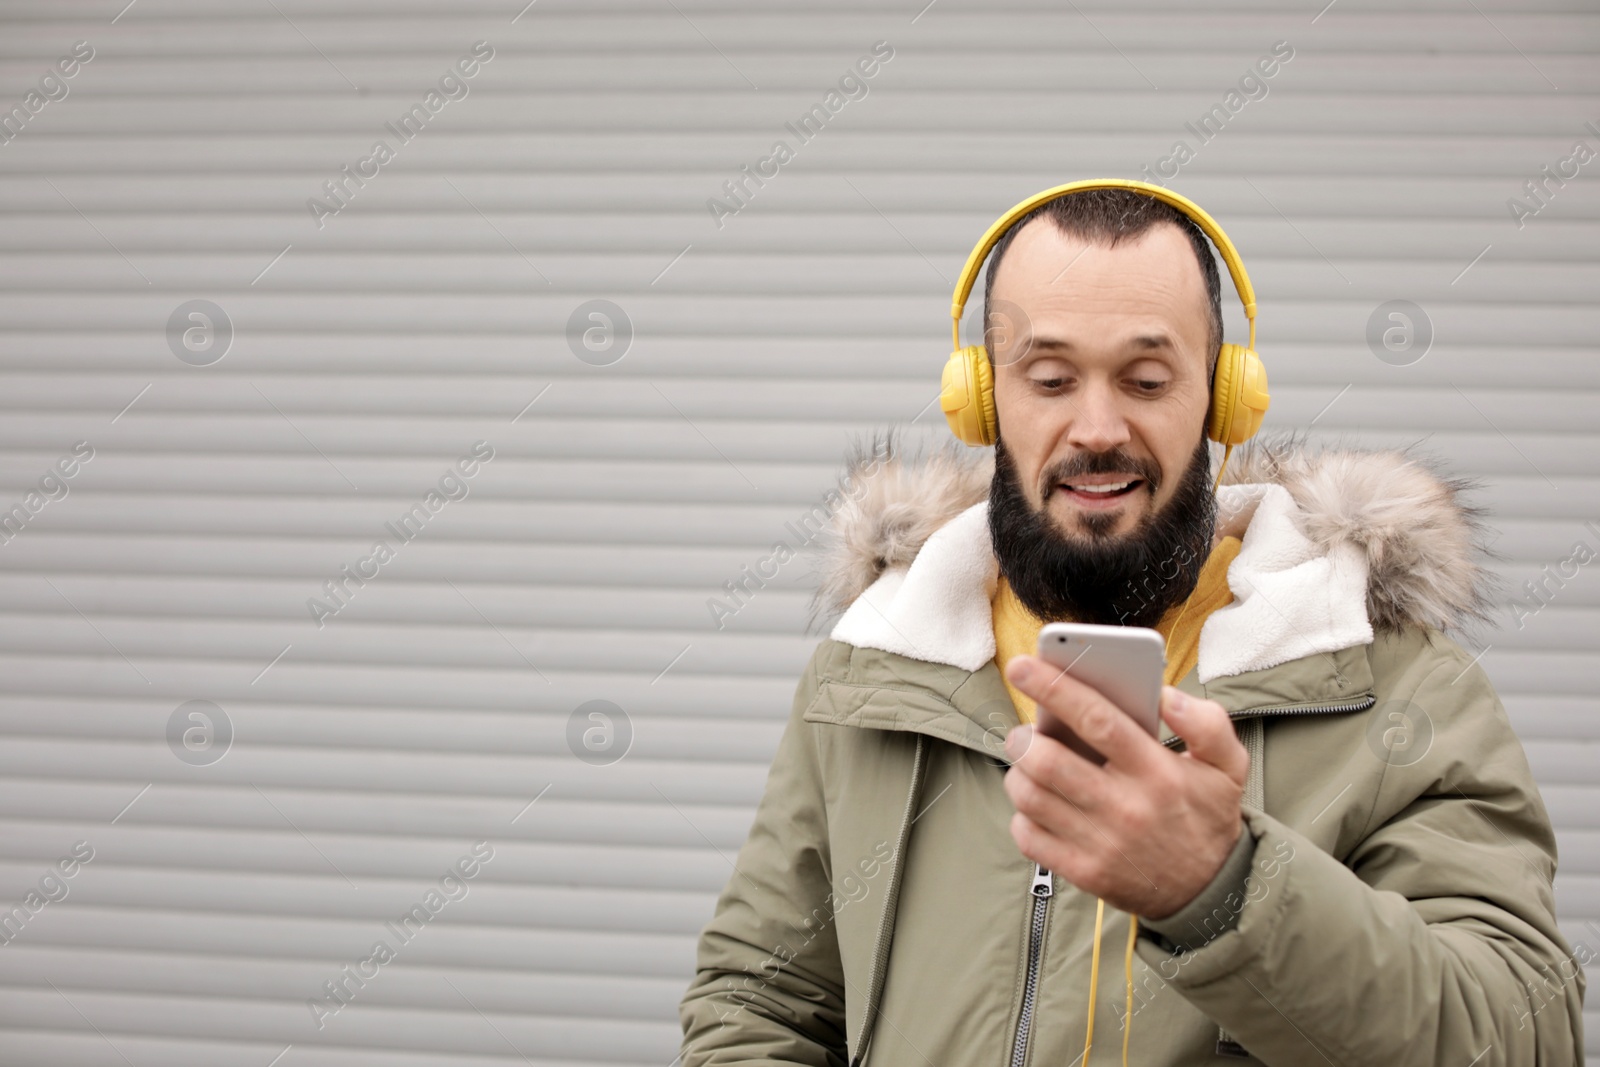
(1125, 663)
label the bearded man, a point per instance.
(1334, 852)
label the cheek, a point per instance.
(1172, 433)
(1032, 426)
(1010, 397)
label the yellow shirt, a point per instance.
(1016, 629)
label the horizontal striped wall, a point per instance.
(372, 346)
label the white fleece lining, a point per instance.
(1290, 598)
(938, 609)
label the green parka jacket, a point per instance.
(1399, 907)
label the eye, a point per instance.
(1148, 386)
(1049, 385)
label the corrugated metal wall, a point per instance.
(227, 466)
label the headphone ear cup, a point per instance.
(966, 395)
(1239, 396)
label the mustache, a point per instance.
(1130, 580)
(1115, 461)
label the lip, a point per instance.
(1099, 501)
(1106, 479)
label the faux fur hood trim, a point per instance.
(1423, 543)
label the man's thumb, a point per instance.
(1207, 732)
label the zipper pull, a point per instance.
(1043, 882)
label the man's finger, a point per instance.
(1054, 767)
(1061, 812)
(1101, 724)
(1207, 732)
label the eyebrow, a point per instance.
(1147, 341)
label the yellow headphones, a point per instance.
(1239, 388)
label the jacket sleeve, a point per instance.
(769, 987)
(1433, 941)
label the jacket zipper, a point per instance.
(1359, 704)
(1042, 889)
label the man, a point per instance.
(1339, 854)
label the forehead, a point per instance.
(1057, 279)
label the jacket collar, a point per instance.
(1291, 596)
(873, 689)
(1336, 545)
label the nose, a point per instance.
(1097, 422)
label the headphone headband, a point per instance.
(1239, 396)
(1208, 225)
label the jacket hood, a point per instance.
(1403, 528)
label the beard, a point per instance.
(1129, 580)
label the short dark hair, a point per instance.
(1109, 217)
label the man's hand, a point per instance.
(1149, 829)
